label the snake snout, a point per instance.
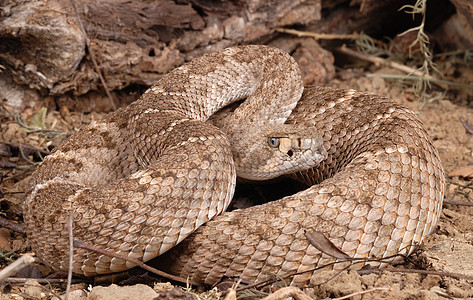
(306, 151)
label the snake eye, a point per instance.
(273, 142)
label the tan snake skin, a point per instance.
(142, 179)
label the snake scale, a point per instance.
(156, 176)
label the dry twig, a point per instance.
(25, 148)
(417, 271)
(16, 266)
(12, 226)
(274, 279)
(439, 82)
(387, 260)
(383, 62)
(319, 36)
(92, 57)
(81, 244)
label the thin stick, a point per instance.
(71, 254)
(80, 244)
(44, 280)
(16, 266)
(361, 272)
(424, 272)
(429, 272)
(23, 171)
(364, 292)
(25, 157)
(27, 147)
(457, 202)
(383, 62)
(12, 226)
(272, 280)
(286, 292)
(434, 80)
(319, 36)
(92, 57)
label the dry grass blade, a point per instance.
(319, 36)
(467, 125)
(324, 245)
(71, 254)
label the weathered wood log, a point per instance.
(42, 46)
(465, 9)
(457, 32)
(135, 42)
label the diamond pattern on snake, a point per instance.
(155, 178)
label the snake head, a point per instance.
(268, 151)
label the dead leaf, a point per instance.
(5, 239)
(5, 150)
(466, 172)
(451, 189)
(39, 118)
(467, 125)
(7, 164)
(323, 244)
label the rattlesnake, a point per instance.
(140, 181)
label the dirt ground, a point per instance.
(448, 251)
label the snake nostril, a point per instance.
(290, 153)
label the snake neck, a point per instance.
(267, 76)
(350, 128)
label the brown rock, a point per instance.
(115, 292)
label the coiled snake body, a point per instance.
(145, 178)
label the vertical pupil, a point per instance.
(273, 142)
